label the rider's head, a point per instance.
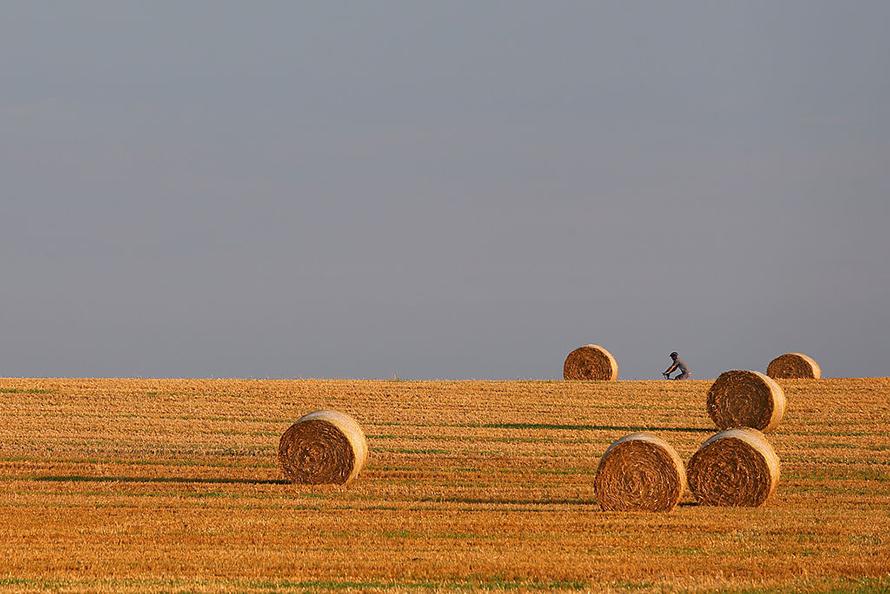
(674, 355)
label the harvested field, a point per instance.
(172, 485)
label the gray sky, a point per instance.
(465, 189)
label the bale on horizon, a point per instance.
(737, 468)
(741, 398)
(323, 447)
(590, 362)
(794, 366)
(639, 472)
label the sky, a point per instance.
(442, 190)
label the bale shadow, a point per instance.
(506, 501)
(72, 478)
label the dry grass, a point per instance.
(172, 485)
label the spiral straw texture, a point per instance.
(746, 399)
(737, 467)
(590, 362)
(639, 472)
(794, 366)
(323, 447)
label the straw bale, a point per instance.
(794, 366)
(741, 398)
(322, 447)
(639, 472)
(737, 467)
(590, 362)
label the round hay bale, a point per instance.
(590, 362)
(746, 399)
(323, 447)
(737, 467)
(639, 472)
(794, 366)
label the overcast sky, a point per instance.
(450, 190)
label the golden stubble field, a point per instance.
(172, 485)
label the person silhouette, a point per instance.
(678, 363)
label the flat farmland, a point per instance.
(172, 485)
